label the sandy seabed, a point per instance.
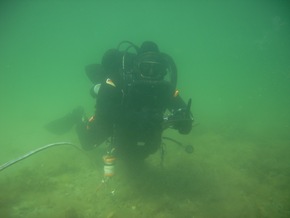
(224, 177)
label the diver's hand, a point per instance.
(182, 120)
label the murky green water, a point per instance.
(233, 61)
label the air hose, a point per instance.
(10, 163)
(188, 148)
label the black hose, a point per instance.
(188, 148)
(130, 46)
(10, 163)
(173, 140)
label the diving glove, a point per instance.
(182, 121)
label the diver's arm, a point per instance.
(176, 103)
(181, 117)
(98, 128)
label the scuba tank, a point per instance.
(123, 65)
(109, 164)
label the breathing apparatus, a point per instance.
(132, 64)
(147, 64)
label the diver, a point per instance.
(136, 100)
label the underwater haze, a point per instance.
(233, 61)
